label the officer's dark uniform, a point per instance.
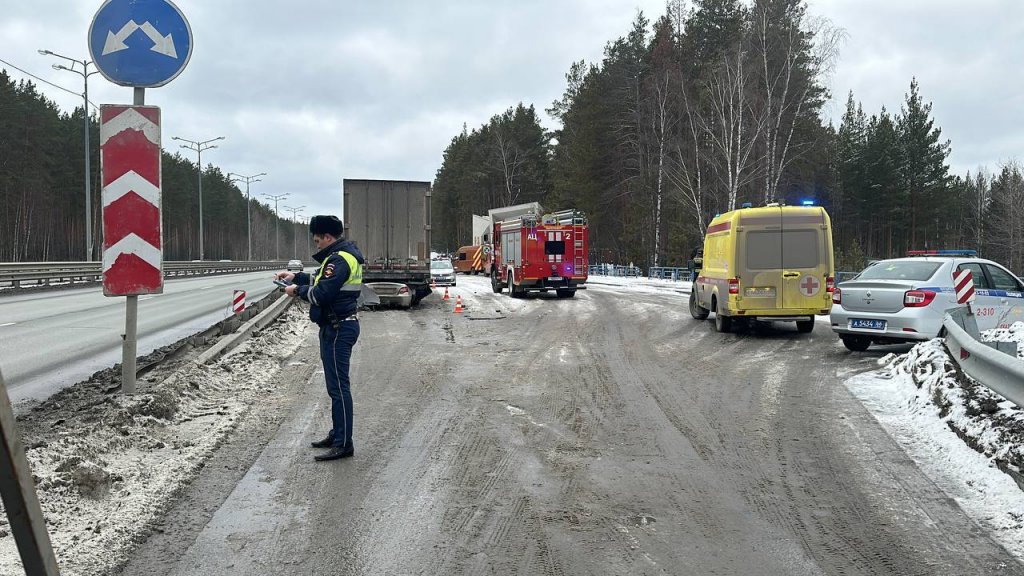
(332, 294)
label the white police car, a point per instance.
(905, 299)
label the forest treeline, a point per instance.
(42, 193)
(718, 103)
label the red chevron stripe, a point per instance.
(109, 112)
(131, 214)
(131, 275)
(131, 150)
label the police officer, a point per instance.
(332, 294)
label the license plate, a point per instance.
(869, 324)
(554, 278)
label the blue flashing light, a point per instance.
(746, 205)
(807, 202)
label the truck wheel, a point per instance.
(856, 343)
(496, 286)
(513, 290)
(696, 310)
(566, 293)
(805, 326)
(723, 323)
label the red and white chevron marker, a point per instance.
(238, 302)
(963, 282)
(131, 173)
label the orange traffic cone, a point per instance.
(458, 304)
(446, 293)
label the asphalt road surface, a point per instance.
(597, 435)
(55, 338)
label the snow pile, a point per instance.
(107, 473)
(1015, 333)
(984, 420)
(966, 438)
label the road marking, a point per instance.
(145, 298)
(8, 324)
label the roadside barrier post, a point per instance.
(238, 302)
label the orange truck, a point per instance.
(473, 259)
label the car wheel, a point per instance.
(856, 343)
(805, 326)
(723, 323)
(696, 310)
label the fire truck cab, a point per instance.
(541, 252)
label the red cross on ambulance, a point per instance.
(809, 285)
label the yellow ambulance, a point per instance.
(772, 263)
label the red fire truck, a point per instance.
(541, 253)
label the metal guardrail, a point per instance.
(677, 273)
(18, 274)
(613, 270)
(997, 370)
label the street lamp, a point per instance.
(295, 229)
(84, 73)
(199, 147)
(248, 219)
(277, 219)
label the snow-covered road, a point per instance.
(606, 434)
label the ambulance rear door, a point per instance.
(759, 258)
(806, 258)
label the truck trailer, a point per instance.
(390, 222)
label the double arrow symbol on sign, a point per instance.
(161, 44)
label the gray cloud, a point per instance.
(317, 91)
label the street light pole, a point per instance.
(84, 73)
(199, 147)
(248, 219)
(295, 229)
(277, 219)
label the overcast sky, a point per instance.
(317, 91)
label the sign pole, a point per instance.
(131, 312)
(19, 496)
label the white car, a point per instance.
(442, 272)
(905, 299)
(294, 266)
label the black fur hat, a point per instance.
(326, 225)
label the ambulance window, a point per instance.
(800, 249)
(764, 250)
(554, 247)
(462, 255)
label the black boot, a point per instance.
(335, 453)
(325, 443)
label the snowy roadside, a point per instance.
(966, 438)
(109, 467)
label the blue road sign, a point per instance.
(140, 43)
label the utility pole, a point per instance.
(199, 147)
(295, 228)
(84, 73)
(277, 219)
(248, 218)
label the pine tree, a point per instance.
(925, 173)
